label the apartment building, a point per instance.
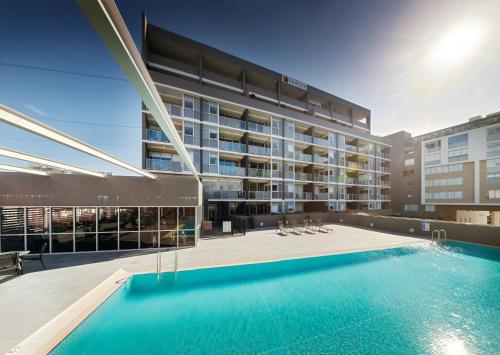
(448, 170)
(263, 142)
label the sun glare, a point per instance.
(457, 45)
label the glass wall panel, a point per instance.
(149, 239)
(85, 219)
(85, 242)
(186, 218)
(129, 240)
(107, 241)
(12, 243)
(168, 239)
(62, 220)
(168, 218)
(12, 221)
(35, 243)
(186, 237)
(38, 220)
(108, 219)
(62, 242)
(149, 219)
(129, 219)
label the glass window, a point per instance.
(186, 237)
(168, 218)
(35, 243)
(188, 129)
(62, 220)
(411, 208)
(430, 208)
(85, 241)
(494, 194)
(62, 243)
(12, 220)
(186, 218)
(409, 162)
(148, 239)
(129, 218)
(461, 140)
(108, 219)
(108, 241)
(213, 159)
(129, 240)
(12, 242)
(168, 239)
(212, 133)
(38, 220)
(188, 102)
(149, 219)
(85, 219)
(213, 108)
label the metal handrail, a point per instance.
(432, 236)
(444, 233)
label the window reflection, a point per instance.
(149, 218)
(129, 240)
(108, 241)
(62, 220)
(129, 220)
(168, 239)
(38, 220)
(12, 221)
(62, 243)
(168, 218)
(85, 220)
(108, 219)
(186, 217)
(85, 242)
(149, 239)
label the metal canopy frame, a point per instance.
(108, 23)
(29, 124)
(35, 159)
(22, 170)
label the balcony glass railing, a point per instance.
(232, 146)
(321, 196)
(289, 175)
(320, 141)
(302, 176)
(156, 135)
(231, 122)
(303, 137)
(259, 128)
(303, 157)
(320, 159)
(303, 196)
(212, 143)
(352, 197)
(264, 173)
(174, 110)
(385, 183)
(258, 150)
(259, 195)
(277, 174)
(232, 170)
(225, 195)
(320, 178)
(385, 197)
(350, 148)
(277, 195)
(164, 165)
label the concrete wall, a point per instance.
(18, 189)
(488, 235)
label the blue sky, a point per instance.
(370, 52)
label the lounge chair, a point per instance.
(11, 261)
(42, 250)
(308, 227)
(280, 228)
(299, 229)
(322, 227)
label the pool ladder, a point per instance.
(158, 263)
(438, 238)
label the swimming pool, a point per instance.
(405, 300)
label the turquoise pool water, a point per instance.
(414, 300)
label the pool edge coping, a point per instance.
(52, 333)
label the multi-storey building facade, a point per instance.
(452, 169)
(261, 141)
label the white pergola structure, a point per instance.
(108, 23)
(22, 170)
(29, 124)
(39, 160)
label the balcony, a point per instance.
(258, 150)
(384, 169)
(385, 197)
(350, 181)
(365, 182)
(277, 195)
(320, 141)
(174, 110)
(320, 159)
(259, 128)
(225, 195)
(303, 196)
(303, 137)
(231, 122)
(319, 178)
(263, 173)
(350, 148)
(156, 136)
(352, 197)
(232, 170)
(288, 195)
(277, 174)
(232, 146)
(303, 157)
(385, 183)
(352, 165)
(289, 175)
(259, 195)
(302, 176)
(321, 196)
(164, 165)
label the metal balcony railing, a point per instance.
(303, 157)
(320, 141)
(320, 159)
(259, 195)
(302, 176)
(225, 195)
(277, 174)
(303, 137)
(321, 196)
(303, 196)
(164, 165)
(350, 148)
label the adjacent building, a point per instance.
(448, 170)
(263, 142)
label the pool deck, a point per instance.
(29, 302)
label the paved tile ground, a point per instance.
(29, 301)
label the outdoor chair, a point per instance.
(322, 227)
(298, 229)
(308, 228)
(42, 251)
(280, 228)
(11, 262)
